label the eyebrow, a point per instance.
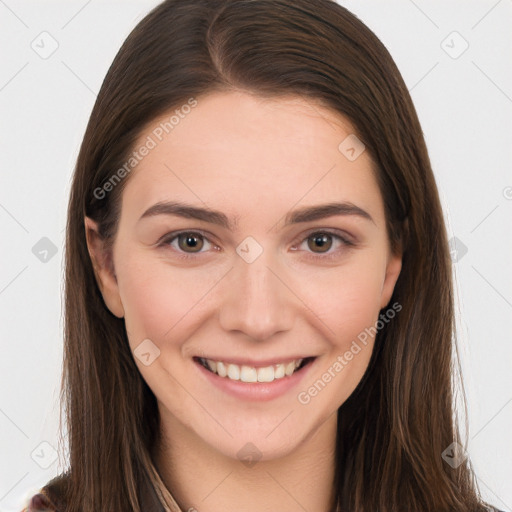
(305, 214)
(190, 212)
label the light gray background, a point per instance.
(464, 101)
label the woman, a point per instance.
(259, 308)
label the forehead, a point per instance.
(235, 151)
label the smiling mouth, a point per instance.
(246, 373)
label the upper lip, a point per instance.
(255, 363)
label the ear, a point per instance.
(393, 268)
(102, 263)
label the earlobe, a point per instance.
(102, 262)
(393, 269)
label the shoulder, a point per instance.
(51, 498)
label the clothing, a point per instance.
(41, 503)
(50, 498)
(154, 497)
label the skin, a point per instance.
(255, 160)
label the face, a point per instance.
(250, 292)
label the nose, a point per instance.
(256, 300)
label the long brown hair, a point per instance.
(393, 429)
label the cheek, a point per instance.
(347, 304)
(160, 305)
(347, 298)
(150, 307)
(160, 301)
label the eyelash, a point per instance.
(170, 237)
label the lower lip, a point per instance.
(255, 391)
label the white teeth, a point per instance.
(248, 374)
(251, 374)
(289, 368)
(221, 369)
(234, 372)
(279, 371)
(266, 374)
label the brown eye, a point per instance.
(320, 241)
(190, 242)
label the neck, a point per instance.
(201, 479)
